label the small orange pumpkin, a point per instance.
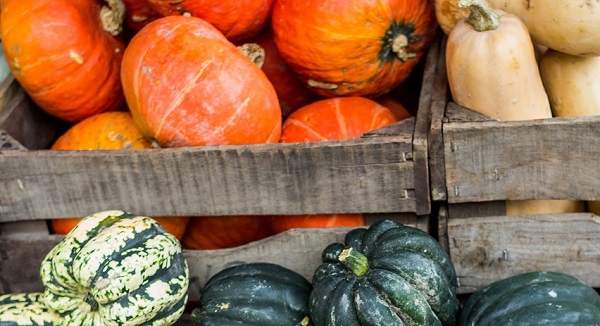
(187, 85)
(219, 232)
(109, 131)
(64, 53)
(340, 118)
(236, 19)
(353, 48)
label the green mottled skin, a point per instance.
(26, 309)
(116, 269)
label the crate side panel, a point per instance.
(488, 249)
(539, 159)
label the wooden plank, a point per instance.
(26, 122)
(538, 159)
(440, 97)
(481, 209)
(487, 249)
(458, 113)
(422, 125)
(358, 176)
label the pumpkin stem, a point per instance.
(254, 52)
(399, 44)
(355, 261)
(112, 16)
(482, 16)
(89, 299)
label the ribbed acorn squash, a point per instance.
(534, 298)
(388, 274)
(261, 294)
(26, 309)
(115, 268)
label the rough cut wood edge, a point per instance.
(359, 176)
(488, 249)
(458, 113)
(422, 125)
(297, 249)
(26, 122)
(539, 159)
(440, 97)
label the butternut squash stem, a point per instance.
(482, 16)
(112, 16)
(355, 261)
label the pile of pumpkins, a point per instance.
(116, 268)
(181, 73)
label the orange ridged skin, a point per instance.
(109, 131)
(291, 91)
(236, 19)
(342, 48)
(187, 85)
(60, 54)
(340, 118)
(219, 232)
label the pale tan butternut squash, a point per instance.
(492, 69)
(568, 26)
(572, 83)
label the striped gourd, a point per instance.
(115, 268)
(26, 309)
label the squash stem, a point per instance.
(89, 299)
(112, 16)
(482, 16)
(355, 261)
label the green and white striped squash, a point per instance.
(116, 268)
(388, 274)
(26, 309)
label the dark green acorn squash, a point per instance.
(388, 274)
(26, 309)
(260, 294)
(534, 298)
(115, 268)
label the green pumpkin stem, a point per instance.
(89, 299)
(482, 16)
(355, 261)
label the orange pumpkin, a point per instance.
(109, 131)
(291, 91)
(219, 232)
(331, 119)
(283, 223)
(187, 85)
(64, 53)
(358, 48)
(237, 20)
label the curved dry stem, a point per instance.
(112, 16)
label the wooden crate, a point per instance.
(486, 162)
(384, 174)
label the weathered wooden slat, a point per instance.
(487, 249)
(358, 176)
(440, 97)
(539, 159)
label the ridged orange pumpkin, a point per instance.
(340, 118)
(237, 20)
(109, 131)
(291, 91)
(64, 53)
(219, 232)
(187, 85)
(358, 48)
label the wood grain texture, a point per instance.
(487, 249)
(440, 97)
(359, 176)
(539, 159)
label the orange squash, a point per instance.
(109, 131)
(291, 91)
(219, 232)
(237, 20)
(340, 118)
(64, 53)
(353, 48)
(187, 85)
